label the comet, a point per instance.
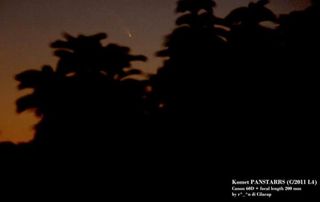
(121, 23)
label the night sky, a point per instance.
(27, 28)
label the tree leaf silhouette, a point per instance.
(251, 15)
(194, 6)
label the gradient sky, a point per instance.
(27, 27)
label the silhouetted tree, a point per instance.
(300, 29)
(89, 94)
(186, 88)
(86, 56)
(254, 77)
(194, 6)
(299, 39)
(193, 51)
(42, 82)
(247, 32)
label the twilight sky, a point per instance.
(28, 26)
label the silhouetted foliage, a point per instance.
(237, 82)
(299, 32)
(42, 82)
(236, 78)
(194, 6)
(192, 50)
(246, 29)
(89, 95)
(86, 56)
